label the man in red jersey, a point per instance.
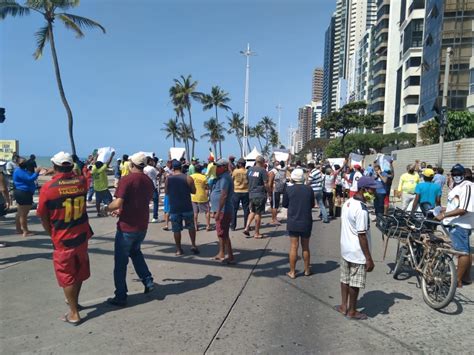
(62, 209)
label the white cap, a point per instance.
(138, 159)
(2, 163)
(62, 158)
(297, 175)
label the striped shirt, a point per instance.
(315, 180)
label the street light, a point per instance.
(444, 106)
(246, 53)
(279, 107)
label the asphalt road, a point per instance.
(201, 306)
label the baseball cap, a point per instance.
(176, 164)
(194, 159)
(458, 168)
(366, 182)
(357, 166)
(297, 175)
(222, 162)
(138, 159)
(428, 172)
(62, 158)
(241, 161)
(259, 159)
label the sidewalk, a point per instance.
(201, 306)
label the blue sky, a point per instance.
(117, 84)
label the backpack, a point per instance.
(280, 181)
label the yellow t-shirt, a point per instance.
(99, 178)
(241, 182)
(200, 182)
(125, 168)
(408, 183)
(211, 171)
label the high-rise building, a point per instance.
(317, 108)
(317, 85)
(448, 23)
(305, 124)
(328, 66)
(362, 69)
(403, 117)
(470, 98)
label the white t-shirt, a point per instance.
(328, 183)
(152, 173)
(356, 178)
(354, 220)
(461, 196)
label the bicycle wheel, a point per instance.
(439, 281)
(400, 261)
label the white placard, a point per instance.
(336, 161)
(177, 153)
(104, 154)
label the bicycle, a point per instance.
(428, 252)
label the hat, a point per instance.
(176, 164)
(241, 161)
(211, 158)
(366, 182)
(194, 159)
(231, 157)
(2, 163)
(357, 166)
(458, 168)
(62, 158)
(138, 159)
(428, 172)
(260, 159)
(222, 162)
(297, 175)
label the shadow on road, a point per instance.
(161, 292)
(379, 302)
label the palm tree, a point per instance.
(236, 126)
(215, 132)
(183, 91)
(172, 130)
(258, 132)
(186, 134)
(268, 127)
(217, 99)
(49, 10)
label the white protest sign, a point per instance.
(104, 154)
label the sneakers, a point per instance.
(116, 302)
(154, 220)
(149, 287)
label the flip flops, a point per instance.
(72, 322)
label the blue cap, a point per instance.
(176, 164)
(458, 168)
(366, 182)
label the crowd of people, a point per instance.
(217, 190)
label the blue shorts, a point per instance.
(460, 239)
(177, 221)
(166, 203)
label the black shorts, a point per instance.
(103, 197)
(257, 205)
(304, 235)
(339, 191)
(275, 200)
(23, 198)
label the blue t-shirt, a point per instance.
(222, 183)
(24, 180)
(428, 192)
(381, 186)
(440, 180)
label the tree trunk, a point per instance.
(185, 139)
(248, 144)
(239, 139)
(174, 141)
(215, 148)
(260, 144)
(220, 143)
(192, 130)
(61, 89)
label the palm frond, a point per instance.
(42, 36)
(36, 4)
(83, 22)
(65, 4)
(71, 25)
(11, 8)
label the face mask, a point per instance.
(458, 179)
(369, 197)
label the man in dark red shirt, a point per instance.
(62, 209)
(131, 205)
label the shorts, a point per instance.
(275, 200)
(200, 207)
(166, 204)
(353, 274)
(71, 265)
(177, 221)
(386, 200)
(103, 197)
(339, 191)
(223, 225)
(257, 205)
(23, 198)
(304, 235)
(460, 238)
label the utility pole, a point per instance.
(246, 53)
(444, 106)
(279, 107)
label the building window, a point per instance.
(412, 81)
(413, 62)
(471, 82)
(409, 118)
(434, 12)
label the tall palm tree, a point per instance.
(258, 132)
(268, 126)
(52, 10)
(215, 132)
(182, 93)
(236, 126)
(217, 99)
(172, 130)
(187, 135)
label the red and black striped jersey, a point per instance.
(63, 200)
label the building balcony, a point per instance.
(412, 90)
(410, 109)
